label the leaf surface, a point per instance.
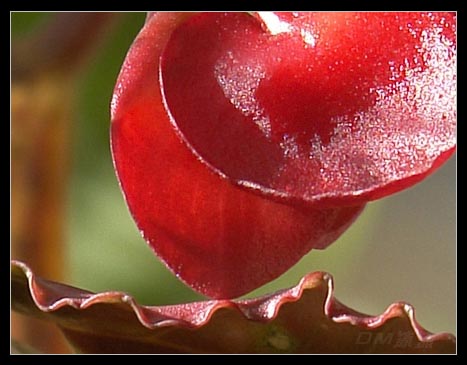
(304, 319)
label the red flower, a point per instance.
(241, 142)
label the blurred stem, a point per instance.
(60, 46)
(44, 69)
(40, 141)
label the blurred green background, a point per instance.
(402, 248)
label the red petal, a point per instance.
(221, 240)
(321, 108)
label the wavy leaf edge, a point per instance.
(265, 308)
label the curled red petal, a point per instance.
(304, 319)
(220, 239)
(316, 108)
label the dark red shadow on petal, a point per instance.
(220, 239)
(321, 113)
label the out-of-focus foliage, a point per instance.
(24, 22)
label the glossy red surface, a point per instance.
(242, 142)
(320, 108)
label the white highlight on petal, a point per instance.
(239, 83)
(308, 37)
(273, 23)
